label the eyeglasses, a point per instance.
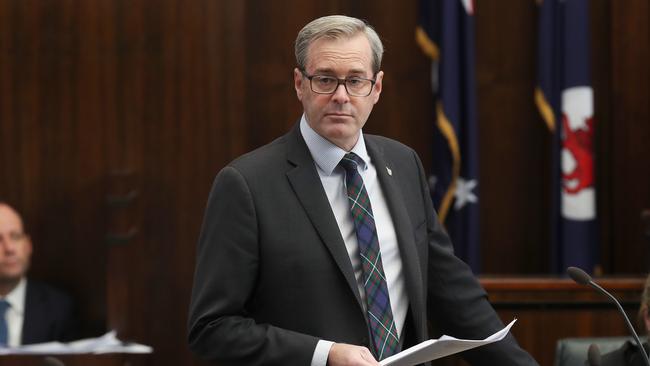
(354, 86)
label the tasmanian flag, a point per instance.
(565, 99)
(446, 34)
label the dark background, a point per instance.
(115, 116)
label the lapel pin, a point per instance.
(390, 172)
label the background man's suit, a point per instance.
(48, 315)
(273, 275)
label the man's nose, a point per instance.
(341, 94)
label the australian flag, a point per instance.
(565, 99)
(446, 34)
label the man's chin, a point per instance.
(7, 278)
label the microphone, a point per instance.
(593, 355)
(583, 278)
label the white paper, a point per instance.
(108, 343)
(434, 349)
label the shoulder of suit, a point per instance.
(272, 156)
(263, 157)
(386, 141)
(43, 290)
(620, 356)
(389, 146)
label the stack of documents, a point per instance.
(108, 343)
(434, 349)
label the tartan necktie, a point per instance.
(4, 332)
(380, 315)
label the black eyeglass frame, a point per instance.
(339, 82)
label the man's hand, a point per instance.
(342, 354)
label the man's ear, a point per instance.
(378, 86)
(297, 82)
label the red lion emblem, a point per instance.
(579, 143)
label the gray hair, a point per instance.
(337, 27)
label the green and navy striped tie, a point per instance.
(380, 315)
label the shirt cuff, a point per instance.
(321, 352)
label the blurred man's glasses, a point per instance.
(354, 86)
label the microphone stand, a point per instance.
(581, 277)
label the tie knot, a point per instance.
(4, 305)
(350, 162)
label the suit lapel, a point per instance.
(403, 230)
(308, 188)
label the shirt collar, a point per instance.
(327, 155)
(16, 298)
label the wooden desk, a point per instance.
(120, 359)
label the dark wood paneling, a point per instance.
(601, 77)
(52, 161)
(630, 133)
(514, 142)
(104, 97)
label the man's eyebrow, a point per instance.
(327, 70)
(324, 70)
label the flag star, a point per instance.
(464, 194)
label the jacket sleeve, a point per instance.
(456, 302)
(220, 328)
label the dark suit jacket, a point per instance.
(273, 275)
(628, 355)
(49, 315)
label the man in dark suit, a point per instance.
(30, 312)
(323, 247)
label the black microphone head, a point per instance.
(578, 275)
(593, 355)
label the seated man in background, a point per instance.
(630, 354)
(30, 312)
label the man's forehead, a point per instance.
(328, 53)
(9, 218)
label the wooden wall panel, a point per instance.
(630, 133)
(514, 141)
(100, 99)
(52, 161)
(601, 49)
(181, 116)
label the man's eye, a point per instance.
(16, 236)
(325, 80)
(354, 82)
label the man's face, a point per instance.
(15, 245)
(338, 117)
